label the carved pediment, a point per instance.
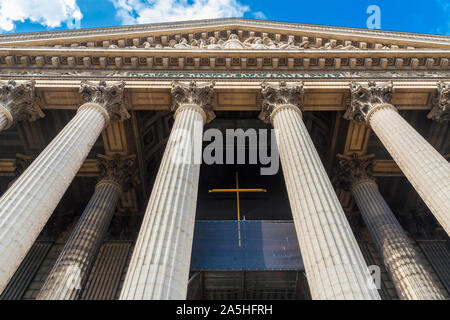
(232, 40)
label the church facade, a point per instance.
(121, 178)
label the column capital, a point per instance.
(276, 97)
(198, 97)
(117, 169)
(18, 102)
(109, 98)
(354, 170)
(366, 99)
(440, 111)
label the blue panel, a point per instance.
(264, 245)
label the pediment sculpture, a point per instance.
(233, 42)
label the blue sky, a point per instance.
(422, 16)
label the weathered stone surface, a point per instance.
(109, 97)
(333, 261)
(159, 267)
(440, 111)
(354, 168)
(407, 270)
(426, 169)
(191, 94)
(275, 96)
(367, 99)
(68, 276)
(28, 203)
(118, 169)
(17, 103)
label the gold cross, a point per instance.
(237, 190)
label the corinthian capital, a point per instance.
(440, 111)
(191, 94)
(118, 169)
(366, 99)
(109, 97)
(275, 96)
(19, 101)
(354, 169)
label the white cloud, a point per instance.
(152, 11)
(259, 15)
(49, 13)
(444, 28)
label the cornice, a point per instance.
(221, 22)
(170, 51)
(221, 60)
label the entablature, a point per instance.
(321, 94)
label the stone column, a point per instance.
(17, 103)
(159, 266)
(334, 264)
(70, 272)
(406, 267)
(28, 203)
(425, 168)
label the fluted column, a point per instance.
(425, 168)
(5, 119)
(70, 272)
(28, 203)
(411, 279)
(334, 264)
(17, 103)
(159, 267)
